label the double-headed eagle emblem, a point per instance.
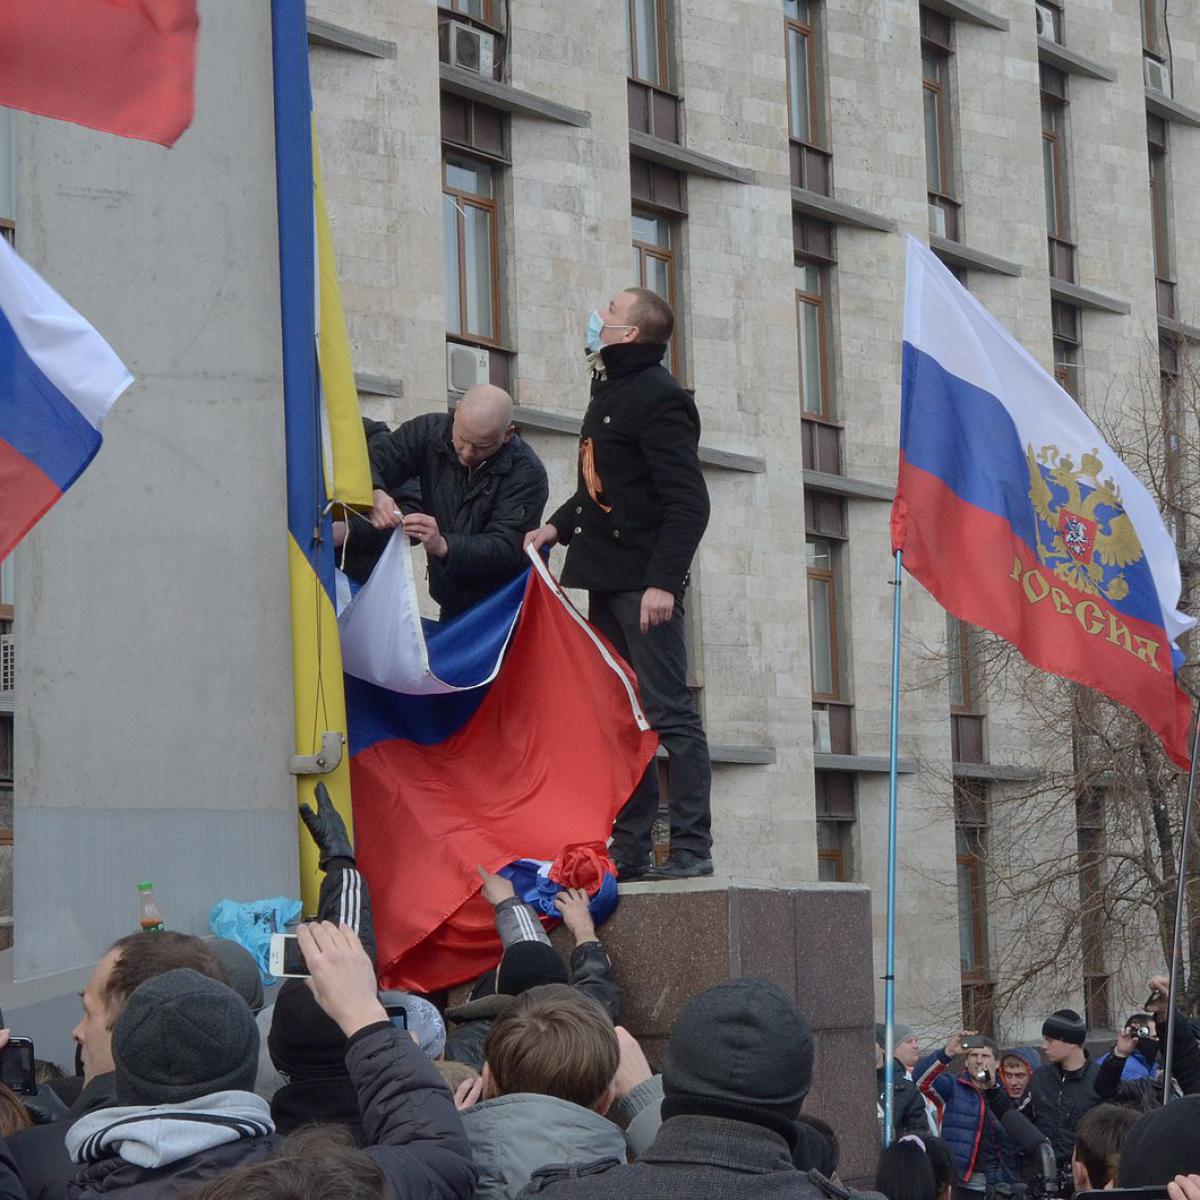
(1083, 533)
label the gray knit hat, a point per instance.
(1065, 1025)
(241, 969)
(899, 1033)
(181, 1036)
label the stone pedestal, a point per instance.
(670, 941)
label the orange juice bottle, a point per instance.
(149, 918)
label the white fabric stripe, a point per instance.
(354, 905)
(65, 348)
(552, 584)
(943, 319)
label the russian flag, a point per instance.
(58, 379)
(1018, 517)
(512, 731)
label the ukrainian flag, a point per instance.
(326, 451)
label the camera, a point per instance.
(17, 1066)
(1138, 1031)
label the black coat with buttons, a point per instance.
(483, 513)
(641, 504)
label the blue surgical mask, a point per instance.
(595, 327)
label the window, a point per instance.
(1054, 173)
(7, 599)
(821, 437)
(470, 249)
(970, 822)
(1160, 220)
(654, 267)
(480, 10)
(837, 812)
(936, 33)
(811, 318)
(1065, 322)
(1089, 821)
(824, 649)
(1054, 10)
(6, 749)
(810, 163)
(1155, 40)
(967, 720)
(648, 41)
(8, 181)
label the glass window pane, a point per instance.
(654, 231)
(827, 871)
(450, 264)
(473, 8)
(820, 557)
(6, 581)
(1051, 181)
(958, 694)
(798, 84)
(477, 244)
(8, 183)
(646, 31)
(812, 390)
(966, 918)
(808, 278)
(796, 10)
(470, 177)
(827, 835)
(820, 617)
(658, 276)
(933, 148)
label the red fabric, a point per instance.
(981, 571)
(582, 866)
(122, 66)
(27, 491)
(546, 763)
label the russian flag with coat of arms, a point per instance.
(1018, 517)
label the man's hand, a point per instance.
(657, 608)
(954, 1046)
(1184, 1187)
(385, 514)
(496, 889)
(342, 976)
(468, 1093)
(1160, 993)
(327, 828)
(425, 529)
(339, 534)
(632, 1067)
(573, 905)
(982, 1085)
(1126, 1044)
(545, 535)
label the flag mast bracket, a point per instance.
(326, 760)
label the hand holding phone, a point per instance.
(16, 1066)
(286, 957)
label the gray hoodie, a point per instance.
(513, 1136)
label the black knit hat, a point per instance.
(526, 965)
(1162, 1144)
(740, 1050)
(183, 1035)
(1065, 1025)
(241, 969)
(304, 1041)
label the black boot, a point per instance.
(683, 864)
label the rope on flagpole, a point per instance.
(889, 979)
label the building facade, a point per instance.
(497, 170)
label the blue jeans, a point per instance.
(659, 658)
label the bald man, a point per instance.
(481, 490)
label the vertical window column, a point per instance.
(1089, 820)
(970, 827)
(1160, 214)
(8, 180)
(967, 718)
(936, 51)
(820, 429)
(1054, 173)
(653, 105)
(657, 232)
(1066, 325)
(809, 149)
(837, 815)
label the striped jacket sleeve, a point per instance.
(346, 900)
(517, 922)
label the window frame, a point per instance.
(1160, 215)
(816, 126)
(669, 255)
(830, 576)
(939, 87)
(491, 205)
(664, 64)
(1067, 342)
(973, 828)
(820, 301)
(490, 20)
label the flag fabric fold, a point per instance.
(1018, 517)
(58, 380)
(121, 66)
(540, 759)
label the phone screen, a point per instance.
(398, 1015)
(293, 956)
(16, 1067)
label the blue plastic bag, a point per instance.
(251, 925)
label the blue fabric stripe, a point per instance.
(965, 436)
(37, 420)
(297, 234)
(462, 651)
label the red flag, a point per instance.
(547, 761)
(121, 66)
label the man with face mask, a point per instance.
(632, 528)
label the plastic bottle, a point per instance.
(149, 918)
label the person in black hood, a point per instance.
(632, 529)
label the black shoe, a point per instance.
(631, 872)
(683, 864)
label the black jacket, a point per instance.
(10, 1183)
(1059, 1099)
(1146, 1093)
(483, 514)
(641, 505)
(411, 1126)
(908, 1105)
(40, 1154)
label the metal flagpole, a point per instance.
(1177, 941)
(889, 978)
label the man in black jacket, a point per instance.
(482, 490)
(908, 1105)
(632, 527)
(1064, 1088)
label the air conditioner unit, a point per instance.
(937, 221)
(466, 47)
(1157, 75)
(1045, 22)
(822, 740)
(8, 665)
(466, 366)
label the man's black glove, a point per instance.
(327, 828)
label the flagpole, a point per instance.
(889, 978)
(1181, 887)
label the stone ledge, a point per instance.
(864, 764)
(964, 10)
(510, 99)
(994, 771)
(378, 385)
(691, 162)
(1178, 329)
(1081, 297)
(1055, 55)
(843, 485)
(839, 212)
(338, 37)
(970, 259)
(1170, 109)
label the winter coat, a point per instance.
(40, 1154)
(513, 1136)
(973, 1134)
(482, 513)
(1060, 1098)
(1012, 1157)
(1114, 1085)
(641, 505)
(908, 1104)
(693, 1158)
(10, 1182)
(412, 1131)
